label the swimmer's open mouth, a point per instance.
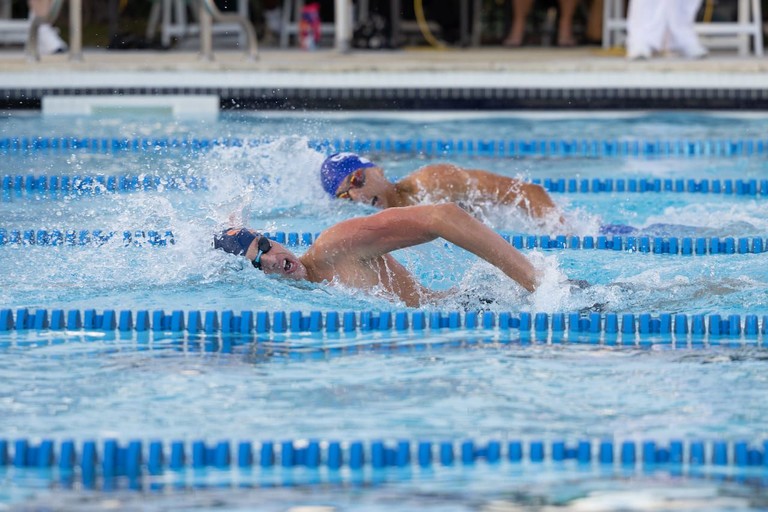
(374, 200)
(287, 266)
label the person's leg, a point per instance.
(48, 40)
(39, 7)
(520, 11)
(594, 31)
(682, 37)
(565, 25)
(646, 26)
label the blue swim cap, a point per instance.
(339, 166)
(234, 241)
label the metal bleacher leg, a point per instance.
(757, 15)
(749, 23)
(244, 11)
(470, 33)
(612, 10)
(154, 19)
(75, 30)
(206, 33)
(743, 19)
(286, 26)
(343, 25)
(477, 23)
(165, 23)
(213, 14)
(394, 18)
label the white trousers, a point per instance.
(657, 25)
(48, 40)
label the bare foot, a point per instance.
(513, 39)
(565, 38)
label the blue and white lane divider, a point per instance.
(685, 246)
(138, 458)
(103, 184)
(738, 187)
(733, 326)
(96, 184)
(580, 148)
(559, 148)
(84, 237)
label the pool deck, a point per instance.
(460, 71)
(487, 66)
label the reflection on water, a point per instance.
(491, 489)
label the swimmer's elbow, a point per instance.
(448, 209)
(445, 212)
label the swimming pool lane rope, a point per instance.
(84, 238)
(228, 322)
(580, 148)
(53, 185)
(138, 458)
(685, 246)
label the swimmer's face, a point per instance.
(367, 186)
(278, 260)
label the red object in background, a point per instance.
(309, 26)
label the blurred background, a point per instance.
(128, 24)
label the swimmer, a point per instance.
(356, 252)
(352, 177)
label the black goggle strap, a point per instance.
(264, 247)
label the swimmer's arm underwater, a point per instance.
(397, 228)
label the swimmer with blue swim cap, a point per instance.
(356, 252)
(352, 177)
(336, 168)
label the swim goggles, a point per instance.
(355, 180)
(264, 247)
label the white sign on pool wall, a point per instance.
(206, 106)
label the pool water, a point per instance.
(436, 385)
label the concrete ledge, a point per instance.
(488, 78)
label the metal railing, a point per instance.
(208, 12)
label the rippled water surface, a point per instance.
(435, 384)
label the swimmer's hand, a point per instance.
(581, 284)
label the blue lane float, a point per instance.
(737, 187)
(136, 457)
(97, 184)
(228, 322)
(685, 246)
(123, 183)
(503, 148)
(84, 237)
(558, 148)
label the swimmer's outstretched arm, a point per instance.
(397, 228)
